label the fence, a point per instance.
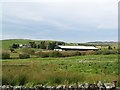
(86, 86)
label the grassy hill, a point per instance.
(7, 43)
(104, 43)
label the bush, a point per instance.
(106, 52)
(5, 55)
(77, 53)
(70, 53)
(83, 52)
(12, 49)
(55, 54)
(24, 56)
(90, 52)
(66, 53)
(42, 54)
(28, 50)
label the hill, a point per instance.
(5, 44)
(104, 43)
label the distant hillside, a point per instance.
(104, 43)
(7, 43)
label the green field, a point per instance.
(5, 44)
(52, 71)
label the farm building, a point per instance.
(81, 48)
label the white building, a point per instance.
(81, 48)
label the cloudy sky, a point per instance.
(65, 20)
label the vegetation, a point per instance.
(37, 63)
(24, 56)
(88, 68)
(47, 44)
(42, 44)
(55, 54)
(29, 53)
(5, 55)
(42, 54)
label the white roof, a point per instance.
(78, 47)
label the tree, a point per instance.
(52, 45)
(15, 45)
(109, 47)
(33, 44)
(38, 46)
(5, 55)
(12, 49)
(42, 45)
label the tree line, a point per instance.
(41, 45)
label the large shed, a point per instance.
(81, 48)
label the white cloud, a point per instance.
(68, 14)
(62, 15)
(22, 11)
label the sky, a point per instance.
(63, 20)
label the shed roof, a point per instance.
(78, 47)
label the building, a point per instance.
(80, 48)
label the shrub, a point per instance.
(90, 52)
(83, 52)
(70, 53)
(24, 56)
(12, 49)
(109, 47)
(77, 53)
(66, 53)
(15, 45)
(106, 52)
(5, 55)
(55, 54)
(42, 54)
(98, 52)
(28, 50)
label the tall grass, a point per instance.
(54, 71)
(4, 55)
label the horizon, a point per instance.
(64, 41)
(69, 21)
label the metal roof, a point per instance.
(78, 47)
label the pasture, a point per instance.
(64, 70)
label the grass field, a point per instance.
(52, 71)
(5, 44)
